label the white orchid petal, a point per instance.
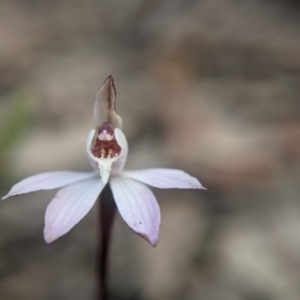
(69, 206)
(138, 207)
(93, 163)
(119, 164)
(105, 105)
(90, 139)
(165, 178)
(47, 181)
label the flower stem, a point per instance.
(106, 213)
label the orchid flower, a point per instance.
(107, 150)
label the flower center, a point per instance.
(104, 144)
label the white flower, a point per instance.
(107, 149)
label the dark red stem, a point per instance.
(107, 213)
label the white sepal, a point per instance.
(105, 105)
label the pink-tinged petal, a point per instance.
(165, 178)
(47, 181)
(105, 105)
(119, 164)
(138, 207)
(69, 206)
(90, 137)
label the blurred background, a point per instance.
(208, 86)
